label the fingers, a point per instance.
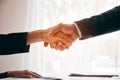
(53, 45)
(65, 41)
(27, 74)
(62, 37)
(37, 75)
(61, 41)
(59, 46)
(45, 44)
(64, 47)
(33, 74)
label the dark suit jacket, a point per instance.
(3, 75)
(100, 24)
(13, 43)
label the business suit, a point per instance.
(100, 24)
(3, 75)
(13, 43)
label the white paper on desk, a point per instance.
(96, 73)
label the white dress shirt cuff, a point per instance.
(78, 30)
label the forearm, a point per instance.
(35, 36)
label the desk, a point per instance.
(67, 78)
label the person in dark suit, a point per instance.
(15, 43)
(100, 24)
(106, 22)
(20, 42)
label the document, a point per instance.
(91, 75)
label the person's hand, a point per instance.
(60, 39)
(23, 74)
(43, 35)
(69, 33)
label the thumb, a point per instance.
(52, 31)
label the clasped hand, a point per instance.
(61, 36)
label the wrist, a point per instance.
(74, 28)
(40, 35)
(9, 74)
(35, 36)
(78, 30)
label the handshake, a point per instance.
(59, 37)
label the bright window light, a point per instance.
(95, 55)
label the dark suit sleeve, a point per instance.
(106, 22)
(3, 75)
(13, 43)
